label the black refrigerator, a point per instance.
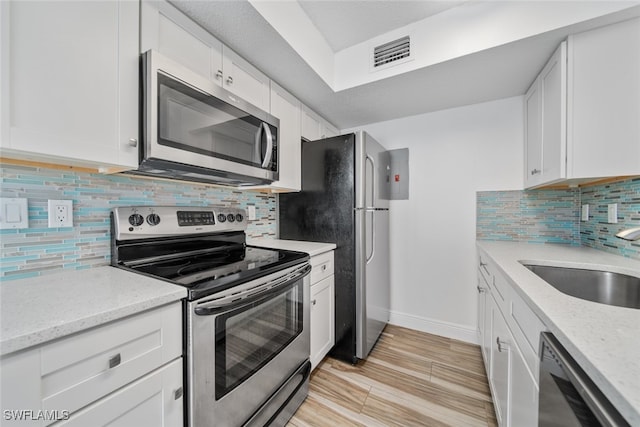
(345, 200)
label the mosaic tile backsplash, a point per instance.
(596, 232)
(553, 216)
(543, 216)
(40, 250)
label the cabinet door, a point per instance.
(72, 80)
(553, 87)
(168, 31)
(322, 319)
(155, 400)
(482, 302)
(245, 80)
(328, 130)
(500, 363)
(533, 135)
(310, 124)
(523, 402)
(604, 101)
(286, 108)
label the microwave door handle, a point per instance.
(269, 153)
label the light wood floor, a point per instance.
(409, 379)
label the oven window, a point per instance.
(249, 337)
(194, 121)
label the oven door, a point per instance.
(190, 120)
(243, 344)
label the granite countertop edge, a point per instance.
(39, 310)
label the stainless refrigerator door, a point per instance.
(372, 243)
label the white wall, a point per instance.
(452, 154)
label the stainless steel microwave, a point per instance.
(194, 130)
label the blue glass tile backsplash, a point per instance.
(553, 216)
(40, 250)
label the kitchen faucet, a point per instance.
(629, 234)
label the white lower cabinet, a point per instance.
(322, 307)
(509, 333)
(128, 372)
(322, 319)
(154, 401)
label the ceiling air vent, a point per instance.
(391, 52)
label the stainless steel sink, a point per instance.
(604, 287)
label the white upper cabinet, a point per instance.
(545, 131)
(582, 114)
(168, 31)
(604, 101)
(287, 108)
(315, 127)
(69, 79)
(310, 124)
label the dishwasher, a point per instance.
(568, 397)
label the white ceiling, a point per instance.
(500, 72)
(346, 23)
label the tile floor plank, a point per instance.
(410, 379)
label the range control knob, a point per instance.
(222, 217)
(136, 220)
(239, 217)
(153, 219)
(231, 218)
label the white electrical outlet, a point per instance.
(251, 211)
(612, 213)
(585, 213)
(60, 213)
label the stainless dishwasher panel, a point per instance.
(568, 398)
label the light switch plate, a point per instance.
(60, 213)
(612, 213)
(251, 211)
(14, 213)
(585, 213)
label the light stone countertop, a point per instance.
(34, 311)
(312, 248)
(603, 339)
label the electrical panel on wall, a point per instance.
(399, 182)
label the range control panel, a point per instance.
(135, 222)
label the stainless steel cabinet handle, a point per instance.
(502, 345)
(219, 74)
(177, 394)
(133, 142)
(535, 171)
(115, 361)
(229, 80)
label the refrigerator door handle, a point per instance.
(372, 184)
(373, 234)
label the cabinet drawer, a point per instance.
(483, 267)
(156, 400)
(321, 266)
(526, 328)
(79, 370)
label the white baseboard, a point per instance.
(436, 327)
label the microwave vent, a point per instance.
(391, 52)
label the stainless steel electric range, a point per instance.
(246, 318)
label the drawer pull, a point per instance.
(313, 302)
(115, 361)
(480, 290)
(178, 393)
(502, 345)
(324, 267)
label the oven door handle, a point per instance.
(260, 292)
